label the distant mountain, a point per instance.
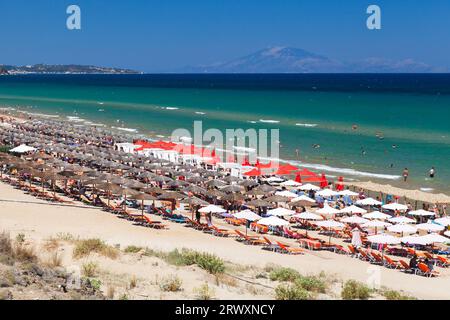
(63, 69)
(293, 60)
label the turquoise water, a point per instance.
(416, 122)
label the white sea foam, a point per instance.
(252, 121)
(171, 108)
(198, 112)
(42, 115)
(308, 125)
(125, 129)
(269, 121)
(426, 189)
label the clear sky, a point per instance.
(162, 35)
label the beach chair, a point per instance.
(377, 258)
(389, 263)
(442, 261)
(270, 245)
(222, 232)
(424, 270)
(286, 249)
(403, 265)
(249, 239)
(353, 252)
(153, 224)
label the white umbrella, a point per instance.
(354, 219)
(273, 221)
(347, 193)
(286, 193)
(353, 209)
(327, 193)
(421, 212)
(376, 215)
(309, 186)
(401, 219)
(402, 228)
(280, 212)
(274, 180)
(395, 207)
(330, 224)
(431, 227)
(368, 202)
(383, 239)
(213, 209)
(308, 216)
(412, 240)
(23, 148)
(327, 210)
(290, 183)
(434, 238)
(303, 198)
(247, 215)
(447, 233)
(445, 221)
(376, 224)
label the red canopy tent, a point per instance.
(253, 173)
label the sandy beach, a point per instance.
(39, 220)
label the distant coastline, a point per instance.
(62, 69)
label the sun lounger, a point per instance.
(442, 261)
(153, 224)
(389, 263)
(270, 245)
(424, 270)
(405, 266)
(249, 239)
(222, 232)
(284, 248)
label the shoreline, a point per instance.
(435, 195)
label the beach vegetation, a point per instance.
(171, 284)
(85, 247)
(6, 249)
(311, 283)
(24, 253)
(291, 291)
(110, 291)
(55, 260)
(396, 295)
(20, 238)
(354, 290)
(65, 236)
(204, 292)
(133, 282)
(133, 249)
(284, 274)
(95, 283)
(89, 269)
(124, 297)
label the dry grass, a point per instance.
(85, 247)
(55, 260)
(171, 284)
(133, 282)
(51, 244)
(110, 292)
(89, 269)
(204, 292)
(226, 280)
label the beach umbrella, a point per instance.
(258, 203)
(395, 207)
(327, 210)
(280, 212)
(23, 148)
(326, 193)
(255, 192)
(194, 201)
(248, 183)
(412, 240)
(447, 233)
(213, 209)
(401, 219)
(355, 220)
(376, 215)
(216, 183)
(265, 188)
(233, 197)
(430, 227)
(402, 228)
(286, 193)
(303, 198)
(290, 183)
(348, 193)
(156, 190)
(171, 195)
(434, 238)
(232, 188)
(383, 239)
(277, 199)
(309, 186)
(307, 216)
(247, 215)
(143, 197)
(330, 224)
(273, 221)
(445, 221)
(421, 212)
(368, 202)
(375, 224)
(353, 209)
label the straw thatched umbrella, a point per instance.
(143, 197)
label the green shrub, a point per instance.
(132, 249)
(311, 283)
(284, 274)
(355, 290)
(395, 295)
(291, 292)
(171, 284)
(210, 263)
(95, 283)
(204, 292)
(85, 247)
(89, 269)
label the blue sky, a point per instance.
(162, 35)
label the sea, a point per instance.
(361, 126)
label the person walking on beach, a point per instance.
(432, 172)
(405, 174)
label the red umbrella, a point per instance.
(253, 173)
(306, 172)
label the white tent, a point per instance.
(213, 209)
(353, 209)
(23, 148)
(383, 239)
(368, 202)
(355, 219)
(273, 221)
(247, 215)
(309, 186)
(431, 227)
(327, 210)
(347, 193)
(376, 215)
(395, 207)
(401, 219)
(421, 212)
(280, 212)
(326, 193)
(402, 228)
(445, 221)
(308, 216)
